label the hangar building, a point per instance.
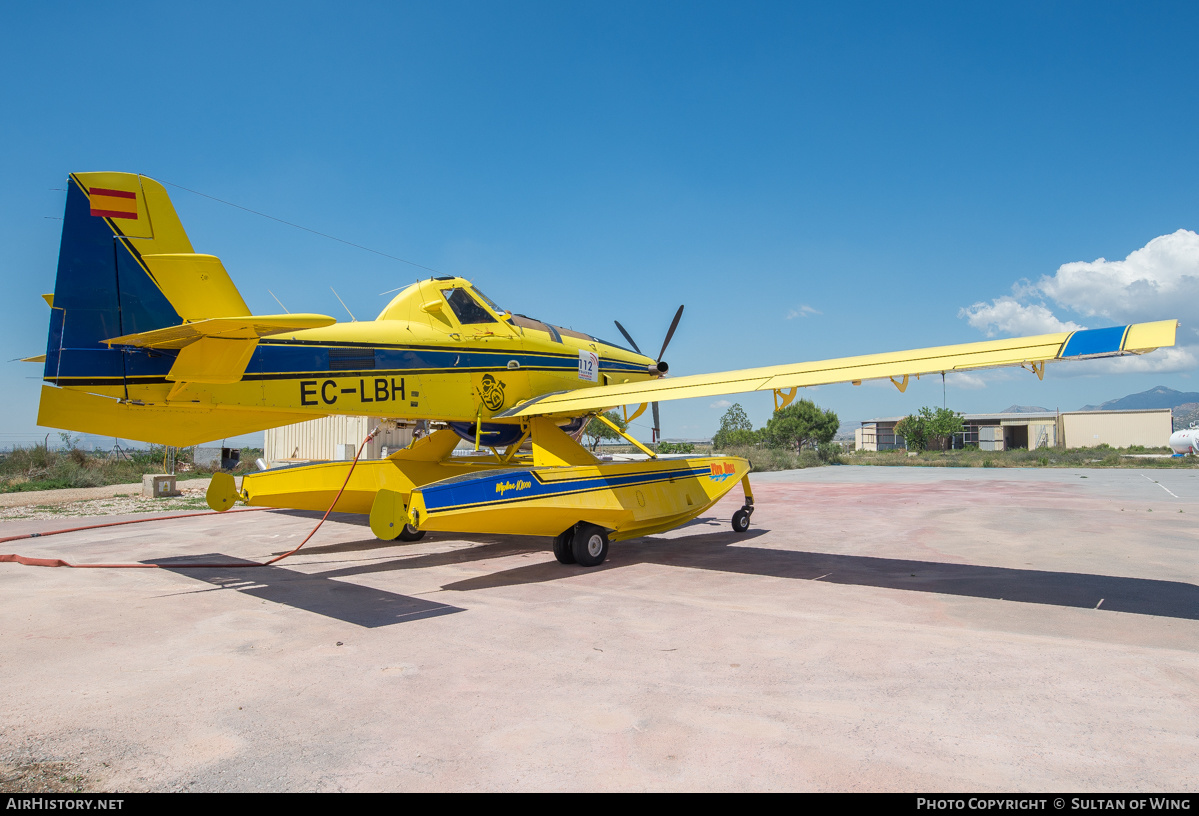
(1049, 429)
(330, 438)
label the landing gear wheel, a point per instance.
(590, 545)
(741, 521)
(562, 546)
(410, 533)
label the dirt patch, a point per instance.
(191, 499)
(28, 775)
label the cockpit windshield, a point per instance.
(466, 309)
(479, 294)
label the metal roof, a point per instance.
(1030, 415)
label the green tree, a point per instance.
(597, 430)
(735, 429)
(929, 425)
(942, 425)
(801, 424)
(914, 430)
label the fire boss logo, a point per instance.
(492, 391)
(721, 471)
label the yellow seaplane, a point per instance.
(151, 341)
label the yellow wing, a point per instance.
(1032, 352)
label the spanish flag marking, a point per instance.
(113, 203)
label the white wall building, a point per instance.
(1071, 429)
(330, 438)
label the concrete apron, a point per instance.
(877, 629)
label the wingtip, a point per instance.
(1143, 337)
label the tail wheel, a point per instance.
(590, 545)
(562, 546)
(740, 521)
(410, 533)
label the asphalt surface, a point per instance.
(902, 629)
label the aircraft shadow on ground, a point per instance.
(715, 551)
(320, 594)
(324, 594)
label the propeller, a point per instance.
(628, 337)
(674, 324)
(659, 367)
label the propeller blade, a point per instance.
(674, 324)
(657, 423)
(627, 336)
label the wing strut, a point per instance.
(616, 428)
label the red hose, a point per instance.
(58, 562)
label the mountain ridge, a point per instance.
(1157, 397)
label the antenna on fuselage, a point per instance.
(398, 288)
(343, 304)
(281, 306)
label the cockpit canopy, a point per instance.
(466, 308)
(456, 295)
(441, 297)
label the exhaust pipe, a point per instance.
(659, 368)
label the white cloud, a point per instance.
(970, 382)
(1008, 315)
(720, 404)
(1158, 281)
(802, 311)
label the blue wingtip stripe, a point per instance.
(1090, 342)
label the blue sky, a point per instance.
(811, 180)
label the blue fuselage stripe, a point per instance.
(280, 361)
(523, 485)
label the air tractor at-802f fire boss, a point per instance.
(151, 341)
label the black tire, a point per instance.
(590, 545)
(410, 533)
(562, 548)
(740, 521)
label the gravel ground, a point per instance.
(110, 500)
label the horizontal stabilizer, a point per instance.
(228, 328)
(1138, 338)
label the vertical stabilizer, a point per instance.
(104, 287)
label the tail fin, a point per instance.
(136, 314)
(125, 266)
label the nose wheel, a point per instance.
(741, 517)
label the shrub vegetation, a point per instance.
(40, 467)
